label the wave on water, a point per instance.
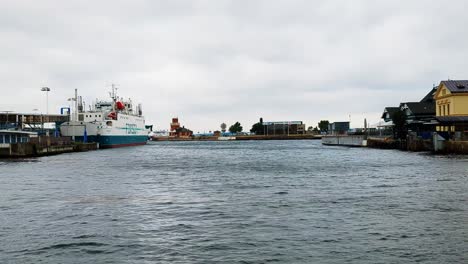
(234, 202)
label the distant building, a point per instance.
(420, 116)
(418, 112)
(338, 128)
(451, 102)
(177, 131)
(284, 128)
(174, 124)
(183, 132)
(217, 133)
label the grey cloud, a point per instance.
(222, 61)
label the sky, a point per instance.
(214, 61)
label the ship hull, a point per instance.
(121, 141)
(126, 130)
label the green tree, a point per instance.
(258, 129)
(400, 129)
(323, 125)
(236, 128)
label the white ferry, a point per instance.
(114, 123)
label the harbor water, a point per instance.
(235, 202)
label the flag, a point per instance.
(85, 136)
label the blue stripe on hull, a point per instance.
(116, 141)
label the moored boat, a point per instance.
(114, 123)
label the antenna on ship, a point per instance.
(113, 95)
(114, 92)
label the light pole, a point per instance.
(47, 90)
(74, 117)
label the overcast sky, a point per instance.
(216, 61)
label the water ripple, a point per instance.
(235, 202)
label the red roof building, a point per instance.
(179, 132)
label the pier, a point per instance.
(345, 140)
(25, 135)
(28, 121)
(17, 144)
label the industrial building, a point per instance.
(284, 128)
(338, 128)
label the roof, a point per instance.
(17, 132)
(390, 110)
(452, 119)
(456, 86)
(429, 98)
(418, 108)
(183, 129)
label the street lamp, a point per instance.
(47, 90)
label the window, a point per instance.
(448, 109)
(440, 110)
(80, 117)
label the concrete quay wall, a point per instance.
(385, 143)
(454, 147)
(416, 145)
(30, 149)
(345, 140)
(410, 144)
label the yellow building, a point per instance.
(451, 100)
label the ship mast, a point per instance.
(114, 97)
